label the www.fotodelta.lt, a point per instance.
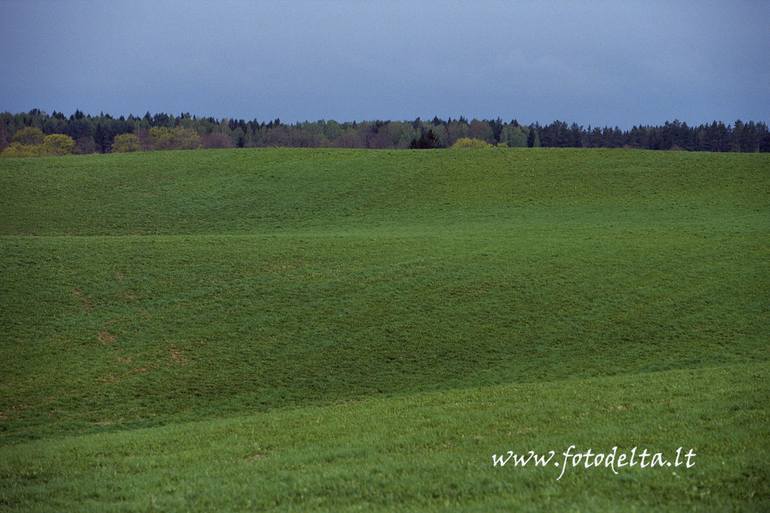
(614, 459)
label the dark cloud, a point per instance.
(591, 62)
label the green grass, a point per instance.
(373, 325)
(425, 452)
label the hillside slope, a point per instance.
(144, 290)
(426, 452)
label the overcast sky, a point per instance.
(592, 62)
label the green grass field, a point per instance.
(351, 330)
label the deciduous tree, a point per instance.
(58, 144)
(126, 143)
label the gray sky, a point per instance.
(593, 62)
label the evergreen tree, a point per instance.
(426, 141)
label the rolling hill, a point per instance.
(353, 330)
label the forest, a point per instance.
(39, 133)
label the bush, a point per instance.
(163, 138)
(16, 149)
(58, 144)
(85, 144)
(216, 140)
(54, 144)
(468, 143)
(126, 143)
(28, 136)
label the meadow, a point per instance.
(358, 330)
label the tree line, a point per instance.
(39, 133)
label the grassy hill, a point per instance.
(197, 330)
